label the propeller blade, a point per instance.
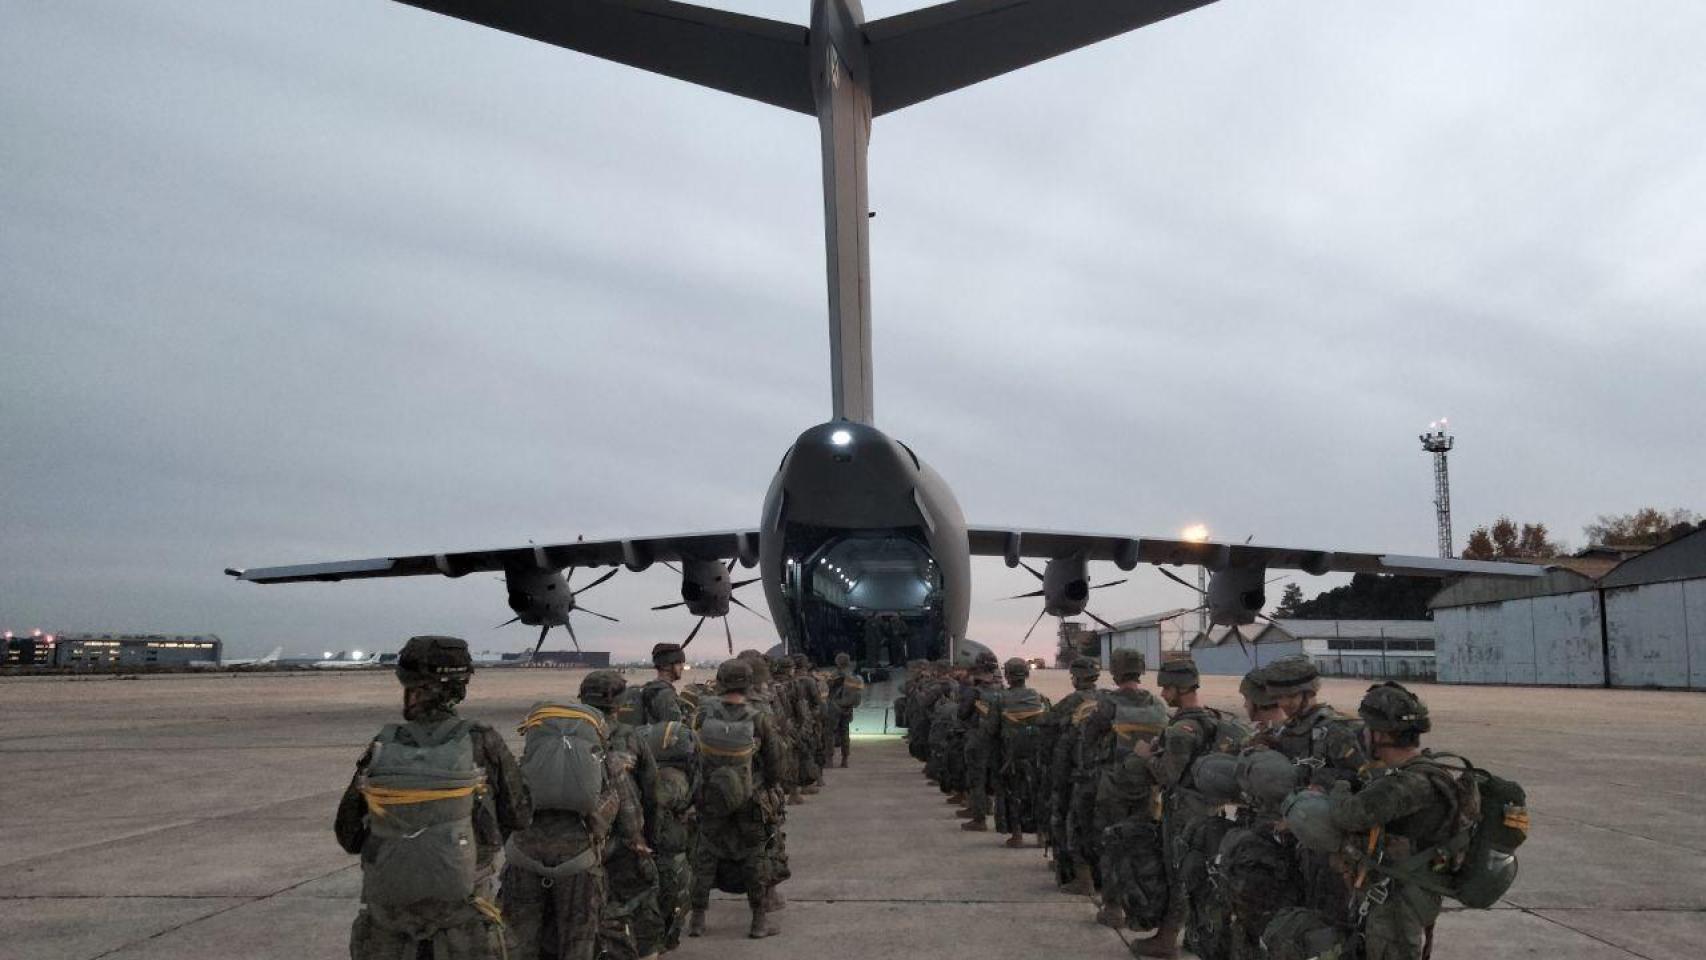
(1099, 620)
(597, 614)
(672, 566)
(1181, 581)
(569, 575)
(542, 631)
(667, 606)
(736, 602)
(1113, 583)
(1033, 629)
(1034, 593)
(1033, 570)
(729, 636)
(1275, 580)
(506, 623)
(577, 640)
(693, 633)
(607, 576)
(741, 583)
(731, 565)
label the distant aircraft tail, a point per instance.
(272, 655)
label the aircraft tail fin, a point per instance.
(764, 60)
(926, 53)
(272, 655)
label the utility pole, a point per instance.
(1437, 442)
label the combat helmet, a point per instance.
(734, 676)
(665, 654)
(600, 688)
(986, 662)
(1180, 673)
(1084, 672)
(1126, 665)
(843, 661)
(1215, 776)
(782, 668)
(1254, 688)
(441, 662)
(1290, 675)
(1390, 708)
(1016, 667)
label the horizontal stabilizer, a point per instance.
(764, 60)
(926, 53)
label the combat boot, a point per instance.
(794, 796)
(774, 901)
(1016, 841)
(810, 789)
(1110, 915)
(1163, 946)
(965, 813)
(1079, 885)
(957, 798)
(696, 923)
(761, 925)
(843, 758)
(976, 824)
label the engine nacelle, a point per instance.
(705, 587)
(1236, 595)
(539, 597)
(1066, 586)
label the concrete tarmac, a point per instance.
(189, 817)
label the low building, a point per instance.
(133, 651)
(1154, 635)
(36, 651)
(580, 659)
(1227, 651)
(1372, 649)
(1607, 618)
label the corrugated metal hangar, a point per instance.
(1591, 621)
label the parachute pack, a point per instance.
(1022, 713)
(562, 756)
(1477, 864)
(848, 691)
(421, 784)
(728, 746)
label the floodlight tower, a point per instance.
(1437, 442)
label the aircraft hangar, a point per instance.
(1635, 622)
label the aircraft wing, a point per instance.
(926, 53)
(1127, 552)
(763, 60)
(636, 553)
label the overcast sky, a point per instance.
(286, 282)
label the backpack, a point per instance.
(1477, 864)
(728, 747)
(562, 756)
(1022, 713)
(421, 784)
(672, 742)
(1136, 722)
(632, 704)
(1258, 873)
(849, 692)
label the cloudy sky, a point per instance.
(284, 282)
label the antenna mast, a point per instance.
(1437, 442)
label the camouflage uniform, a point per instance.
(841, 698)
(1016, 740)
(677, 828)
(1329, 747)
(631, 923)
(740, 838)
(809, 708)
(434, 672)
(978, 702)
(1127, 822)
(1060, 752)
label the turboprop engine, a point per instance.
(1065, 590)
(1236, 595)
(542, 597)
(707, 591)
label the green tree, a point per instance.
(1291, 598)
(1646, 527)
(1372, 596)
(1506, 540)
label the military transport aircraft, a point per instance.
(855, 524)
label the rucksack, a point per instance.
(727, 746)
(562, 756)
(849, 692)
(1022, 712)
(421, 784)
(1298, 933)
(1134, 723)
(1257, 872)
(672, 742)
(1477, 864)
(632, 703)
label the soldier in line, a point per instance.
(632, 924)
(846, 692)
(737, 803)
(656, 701)
(947, 738)
(1017, 741)
(553, 879)
(1127, 822)
(811, 713)
(1067, 803)
(1193, 732)
(676, 748)
(1328, 746)
(455, 775)
(978, 701)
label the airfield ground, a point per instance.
(189, 817)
